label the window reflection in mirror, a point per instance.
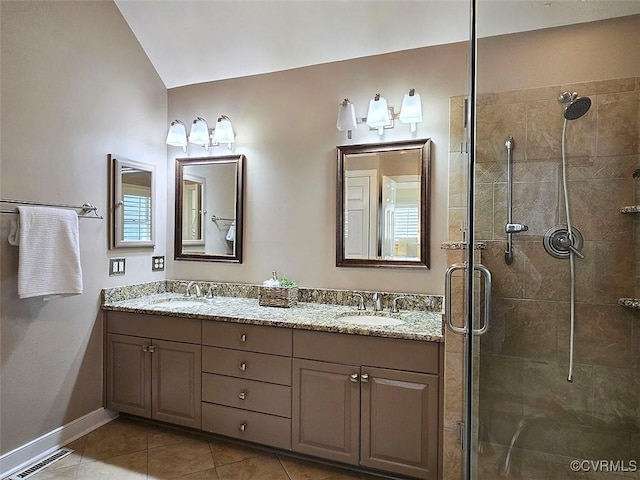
(209, 208)
(131, 203)
(382, 202)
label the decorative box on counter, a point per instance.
(277, 296)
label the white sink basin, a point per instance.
(371, 320)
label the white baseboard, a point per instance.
(48, 443)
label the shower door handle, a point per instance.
(484, 271)
(488, 282)
(448, 274)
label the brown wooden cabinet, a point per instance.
(150, 376)
(350, 412)
(246, 382)
(365, 401)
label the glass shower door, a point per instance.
(551, 388)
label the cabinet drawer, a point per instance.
(246, 425)
(411, 355)
(247, 394)
(178, 329)
(250, 365)
(254, 338)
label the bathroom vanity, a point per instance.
(297, 379)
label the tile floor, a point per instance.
(125, 449)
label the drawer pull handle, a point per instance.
(242, 395)
(243, 338)
(364, 377)
(242, 427)
(243, 366)
(354, 377)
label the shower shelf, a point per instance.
(630, 303)
(630, 209)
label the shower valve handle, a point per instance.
(515, 228)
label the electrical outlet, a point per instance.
(157, 263)
(116, 266)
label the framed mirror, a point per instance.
(209, 208)
(383, 205)
(132, 203)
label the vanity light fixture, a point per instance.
(378, 116)
(347, 117)
(223, 132)
(411, 110)
(177, 135)
(199, 134)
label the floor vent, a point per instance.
(41, 465)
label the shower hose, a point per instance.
(571, 254)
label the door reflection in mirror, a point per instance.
(193, 212)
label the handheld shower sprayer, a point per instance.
(576, 106)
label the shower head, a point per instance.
(576, 106)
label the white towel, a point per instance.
(231, 234)
(49, 257)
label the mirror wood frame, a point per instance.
(116, 164)
(239, 208)
(424, 146)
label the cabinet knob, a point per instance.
(243, 338)
(364, 378)
(243, 426)
(145, 348)
(152, 348)
(243, 366)
(354, 377)
(242, 395)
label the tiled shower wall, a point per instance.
(524, 357)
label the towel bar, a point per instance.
(85, 209)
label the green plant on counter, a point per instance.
(286, 283)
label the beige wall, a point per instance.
(286, 126)
(75, 86)
(559, 56)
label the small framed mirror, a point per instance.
(132, 203)
(209, 208)
(383, 205)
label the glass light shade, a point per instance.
(177, 135)
(224, 132)
(347, 116)
(200, 133)
(378, 114)
(411, 111)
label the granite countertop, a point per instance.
(418, 325)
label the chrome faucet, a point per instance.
(360, 301)
(377, 302)
(394, 304)
(189, 286)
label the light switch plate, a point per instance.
(157, 263)
(116, 266)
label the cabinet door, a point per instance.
(400, 422)
(326, 410)
(128, 375)
(176, 383)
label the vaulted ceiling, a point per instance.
(194, 41)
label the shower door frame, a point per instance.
(469, 447)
